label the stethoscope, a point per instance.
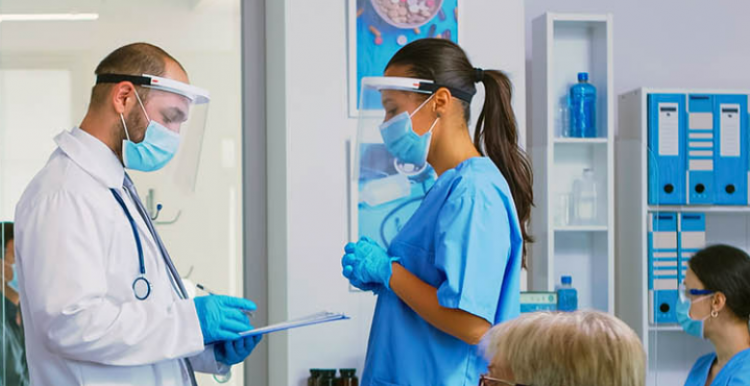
(141, 285)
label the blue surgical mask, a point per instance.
(14, 282)
(158, 147)
(689, 325)
(401, 140)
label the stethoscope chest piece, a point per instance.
(141, 288)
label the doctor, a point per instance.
(715, 305)
(103, 303)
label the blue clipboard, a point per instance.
(318, 318)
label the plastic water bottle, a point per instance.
(567, 296)
(583, 108)
(584, 199)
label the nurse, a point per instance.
(453, 271)
(715, 305)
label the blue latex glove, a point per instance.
(222, 317)
(366, 264)
(232, 352)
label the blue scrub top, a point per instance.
(735, 373)
(464, 240)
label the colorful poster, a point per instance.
(379, 28)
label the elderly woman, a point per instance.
(584, 348)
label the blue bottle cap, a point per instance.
(583, 76)
(567, 280)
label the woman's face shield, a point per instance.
(391, 116)
(390, 176)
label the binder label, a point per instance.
(669, 129)
(730, 130)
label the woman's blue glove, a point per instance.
(222, 317)
(366, 264)
(232, 352)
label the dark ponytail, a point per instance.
(496, 134)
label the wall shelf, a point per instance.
(582, 228)
(671, 352)
(701, 209)
(582, 140)
(564, 45)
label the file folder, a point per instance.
(691, 238)
(700, 149)
(663, 267)
(666, 143)
(730, 155)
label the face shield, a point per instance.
(181, 108)
(391, 173)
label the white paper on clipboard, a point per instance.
(318, 318)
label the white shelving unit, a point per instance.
(563, 46)
(671, 352)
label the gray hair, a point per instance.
(584, 348)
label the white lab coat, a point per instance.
(77, 259)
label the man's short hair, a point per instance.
(132, 59)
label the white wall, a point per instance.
(668, 43)
(307, 133)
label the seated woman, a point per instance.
(583, 348)
(715, 305)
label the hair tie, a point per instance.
(478, 75)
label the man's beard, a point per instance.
(136, 124)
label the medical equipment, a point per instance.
(694, 327)
(222, 318)
(232, 352)
(141, 285)
(250, 314)
(156, 149)
(408, 146)
(185, 111)
(366, 262)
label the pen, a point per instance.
(205, 289)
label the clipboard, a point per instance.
(309, 320)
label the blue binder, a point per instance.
(663, 267)
(730, 154)
(666, 144)
(691, 238)
(700, 149)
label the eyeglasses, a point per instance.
(689, 293)
(486, 380)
